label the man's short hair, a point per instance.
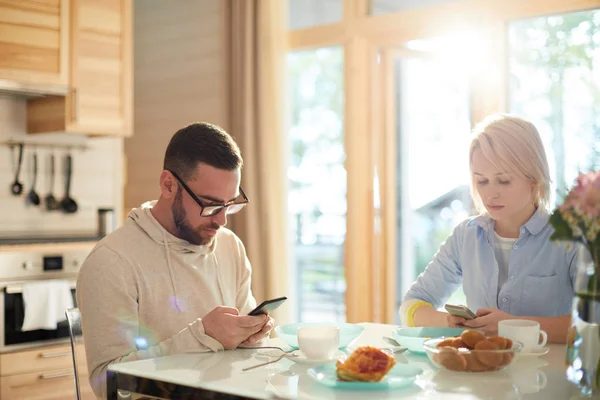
(201, 142)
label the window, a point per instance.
(378, 7)
(554, 72)
(309, 13)
(317, 179)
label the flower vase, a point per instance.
(583, 338)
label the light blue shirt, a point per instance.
(541, 273)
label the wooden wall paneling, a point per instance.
(180, 76)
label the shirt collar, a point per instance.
(534, 225)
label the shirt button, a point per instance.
(512, 277)
(516, 246)
(504, 300)
(522, 230)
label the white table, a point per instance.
(220, 376)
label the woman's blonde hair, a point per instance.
(512, 143)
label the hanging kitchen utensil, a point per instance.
(32, 197)
(67, 204)
(52, 203)
(17, 187)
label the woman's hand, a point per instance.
(455, 322)
(487, 320)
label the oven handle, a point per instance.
(16, 289)
(55, 375)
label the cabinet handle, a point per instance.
(54, 354)
(55, 375)
(74, 105)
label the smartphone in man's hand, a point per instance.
(268, 306)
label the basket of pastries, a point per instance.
(472, 351)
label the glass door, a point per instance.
(317, 183)
(430, 125)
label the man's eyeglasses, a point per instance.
(231, 207)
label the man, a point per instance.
(173, 279)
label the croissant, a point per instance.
(367, 364)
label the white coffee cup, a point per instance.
(523, 330)
(319, 342)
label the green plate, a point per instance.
(402, 375)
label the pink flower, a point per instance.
(585, 196)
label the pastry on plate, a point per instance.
(366, 364)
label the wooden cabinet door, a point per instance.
(100, 99)
(34, 41)
(101, 65)
(50, 385)
(43, 374)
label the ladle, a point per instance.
(52, 203)
(17, 187)
(67, 204)
(32, 197)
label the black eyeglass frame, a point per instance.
(203, 206)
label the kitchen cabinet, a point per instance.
(43, 374)
(34, 41)
(100, 60)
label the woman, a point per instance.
(504, 258)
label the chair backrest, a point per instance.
(74, 319)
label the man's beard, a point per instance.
(184, 229)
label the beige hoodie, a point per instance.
(142, 293)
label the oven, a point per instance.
(16, 269)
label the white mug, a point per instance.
(319, 342)
(523, 330)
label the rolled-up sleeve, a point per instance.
(443, 274)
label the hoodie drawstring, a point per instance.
(170, 267)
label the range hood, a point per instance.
(15, 88)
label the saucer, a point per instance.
(301, 358)
(535, 352)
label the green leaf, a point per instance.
(562, 230)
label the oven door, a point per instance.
(12, 313)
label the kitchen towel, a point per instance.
(45, 304)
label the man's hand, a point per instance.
(487, 320)
(262, 335)
(229, 328)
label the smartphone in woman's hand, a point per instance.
(460, 311)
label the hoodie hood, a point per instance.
(143, 218)
(174, 246)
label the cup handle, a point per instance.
(544, 338)
(543, 379)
